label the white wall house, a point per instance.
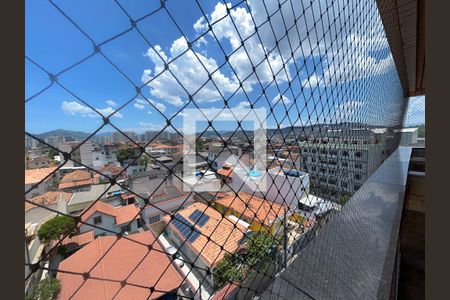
(115, 219)
(284, 188)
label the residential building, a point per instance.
(40, 162)
(408, 136)
(81, 156)
(48, 176)
(111, 171)
(66, 170)
(55, 140)
(55, 200)
(278, 185)
(133, 166)
(113, 219)
(76, 181)
(206, 245)
(166, 199)
(219, 155)
(124, 260)
(341, 166)
(30, 142)
(104, 192)
(117, 137)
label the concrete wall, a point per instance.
(167, 206)
(277, 187)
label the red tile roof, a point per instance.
(116, 260)
(220, 230)
(253, 208)
(123, 214)
(114, 170)
(225, 172)
(76, 178)
(47, 199)
(36, 175)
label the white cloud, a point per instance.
(280, 99)
(189, 72)
(142, 104)
(139, 106)
(74, 108)
(111, 103)
(243, 104)
(241, 60)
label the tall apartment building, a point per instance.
(219, 155)
(82, 154)
(342, 161)
(30, 142)
(55, 140)
(118, 137)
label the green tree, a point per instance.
(256, 256)
(125, 154)
(55, 228)
(145, 160)
(227, 270)
(47, 289)
(52, 153)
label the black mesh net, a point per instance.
(111, 211)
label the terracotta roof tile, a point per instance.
(122, 214)
(115, 259)
(48, 198)
(260, 210)
(36, 175)
(226, 173)
(220, 230)
(76, 178)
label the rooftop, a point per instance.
(122, 214)
(76, 178)
(116, 260)
(36, 175)
(220, 230)
(253, 208)
(96, 191)
(48, 198)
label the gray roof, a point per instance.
(93, 193)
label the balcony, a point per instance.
(378, 235)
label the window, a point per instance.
(344, 153)
(344, 164)
(358, 166)
(154, 219)
(357, 176)
(125, 228)
(97, 220)
(358, 154)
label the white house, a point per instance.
(168, 199)
(115, 219)
(48, 176)
(285, 187)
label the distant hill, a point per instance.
(78, 135)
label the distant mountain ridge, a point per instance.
(298, 130)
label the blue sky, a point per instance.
(55, 43)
